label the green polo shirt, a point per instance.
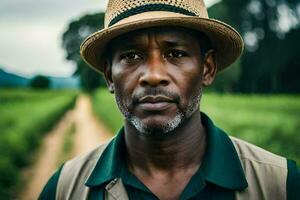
(219, 176)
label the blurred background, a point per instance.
(50, 100)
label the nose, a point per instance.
(154, 72)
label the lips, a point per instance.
(155, 99)
(155, 103)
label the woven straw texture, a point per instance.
(123, 16)
(117, 7)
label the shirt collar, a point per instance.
(221, 164)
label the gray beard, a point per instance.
(166, 127)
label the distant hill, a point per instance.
(8, 79)
(12, 80)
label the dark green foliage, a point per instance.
(227, 79)
(89, 79)
(41, 82)
(72, 38)
(270, 61)
(8, 175)
(25, 116)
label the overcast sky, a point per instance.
(30, 34)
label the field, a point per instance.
(105, 108)
(271, 122)
(25, 115)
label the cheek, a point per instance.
(123, 74)
(191, 89)
(194, 75)
(189, 84)
(124, 84)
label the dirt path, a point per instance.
(47, 159)
(89, 133)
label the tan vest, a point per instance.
(266, 174)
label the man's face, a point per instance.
(156, 75)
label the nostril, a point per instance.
(164, 82)
(144, 83)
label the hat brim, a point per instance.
(225, 40)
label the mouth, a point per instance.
(155, 103)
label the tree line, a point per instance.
(269, 64)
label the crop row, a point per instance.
(25, 116)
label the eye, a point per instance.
(176, 54)
(130, 57)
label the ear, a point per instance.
(108, 76)
(209, 68)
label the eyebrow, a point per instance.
(135, 44)
(172, 43)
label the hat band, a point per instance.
(150, 7)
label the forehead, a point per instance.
(169, 34)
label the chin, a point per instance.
(156, 127)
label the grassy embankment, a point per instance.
(105, 108)
(271, 122)
(25, 115)
(68, 144)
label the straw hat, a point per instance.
(123, 16)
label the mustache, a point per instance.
(155, 92)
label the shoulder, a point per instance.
(269, 170)
(86, 158)
(250, 153)
(71, 182)
(265, 172)
(73, 171)
(81, 165)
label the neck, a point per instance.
(182, 148)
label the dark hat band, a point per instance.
(150, 7)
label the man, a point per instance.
(156, 57)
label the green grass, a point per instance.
(105, 108)
(271, 122)
(67, 145)
(25, 115)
